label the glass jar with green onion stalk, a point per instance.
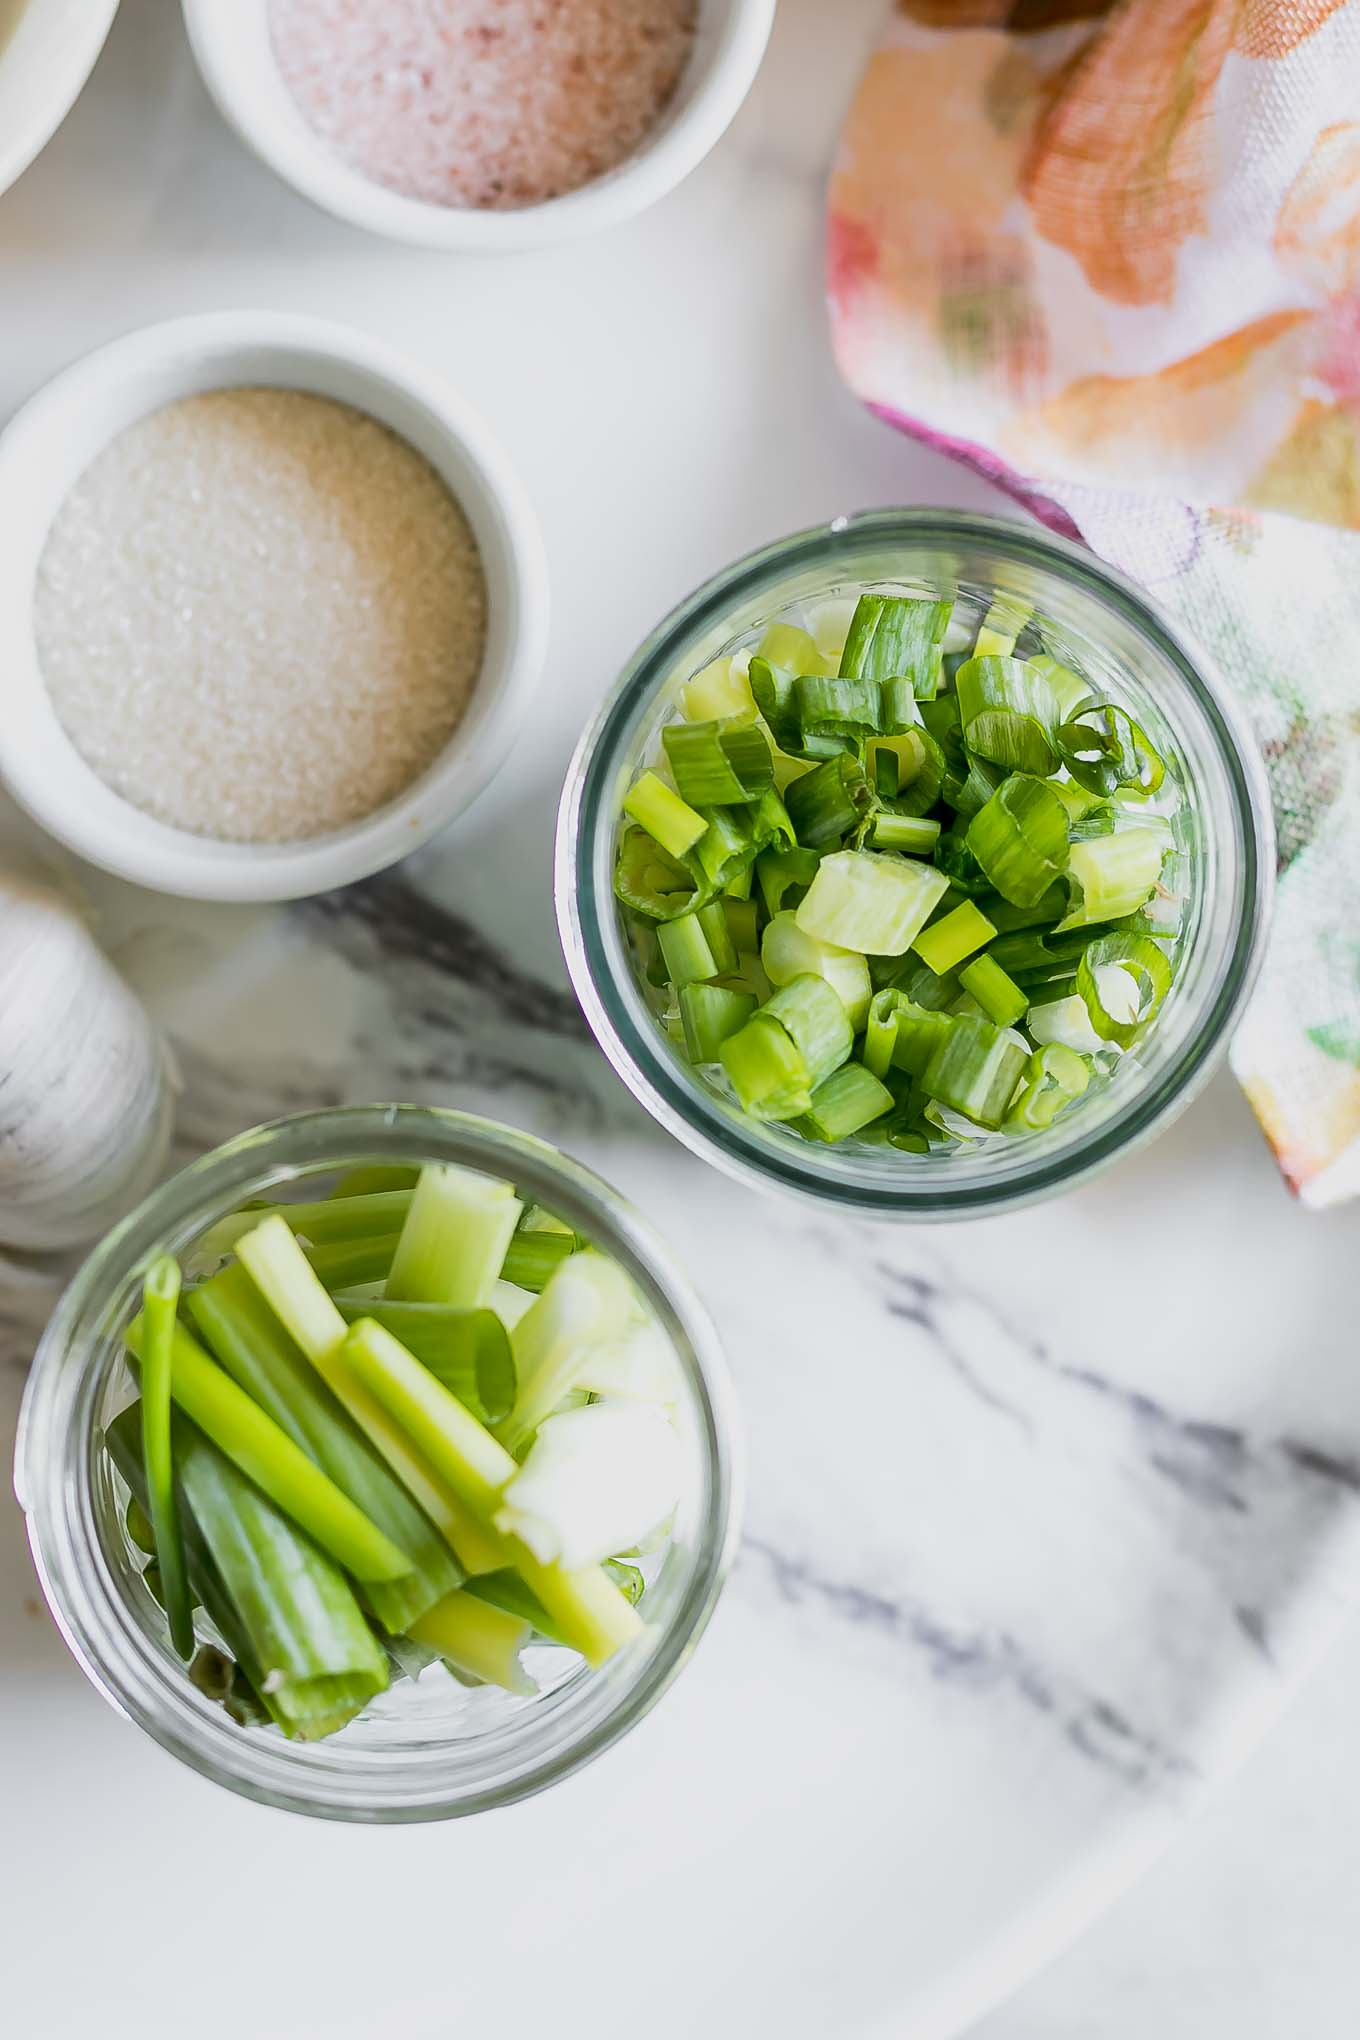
(338, 1454)
(916, 865)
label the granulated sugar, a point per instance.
(259, 614)
(488, 103)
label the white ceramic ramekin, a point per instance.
(232, 45)
(53, 439)
(43, 66)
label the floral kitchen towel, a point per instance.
(1108, 252)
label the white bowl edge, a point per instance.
(232, 48)
(54, 437)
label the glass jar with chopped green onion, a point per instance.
(381, 1465)
(916, 864)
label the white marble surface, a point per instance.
(1089, 1513)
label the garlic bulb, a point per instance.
(84, 1078)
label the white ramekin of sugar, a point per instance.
(119, 595)
(345, 125)
(47, 51)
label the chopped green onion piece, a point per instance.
(816, 1022)
(1000, 998)
(975, 1071)
(685, 950)
(454, 1241)
(1009, 714)
(971, 794)
(242, 1432)
(723, 852)
(773, 690)
(826, 804)
(895, 637)
(901, 1034)
(479, 1639)
(1069, 690)
(787, 645)
(1113, 876)
(743, 924)
(786, 953)
(825, 707)
(709, 1014)
(648, 880)
(717, 764)
(462, 1452)
(915, 834)
(249, 1342)
(1107, 753)
(1000, 628)
(344, 1263)
(658, 809)
(766, 1071)
(718, 694)
(944, 944)
(1046, 911)
(1064, 1022)
(160, 1301)
(713, 920)
(871, 901)
(779, 871)
(1020, 839)
(1138, 960)
(846, 1102)
(1054, 1078)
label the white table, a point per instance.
(1066, 1557)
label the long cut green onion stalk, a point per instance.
(461, 1451)
(341, 1264)
(469, 1351)
(265, 1453)
(279, 1270)
(480, 1639)
(160, 1302)
(247, 1339)
(455, 1238)
(319, 1662)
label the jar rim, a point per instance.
(1041, 1165)
(57, 1445)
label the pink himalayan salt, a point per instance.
(487, 103)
